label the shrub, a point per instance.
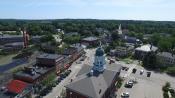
(171, 70)
(119, 83)
(165, 95)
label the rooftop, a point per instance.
(90, 38)
(166, 54)
(78, 46)
(147, 48)
(49, 56)
(70, 51)
(32, 72)
(16, 86)
(96, 84)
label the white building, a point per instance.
(140, 52)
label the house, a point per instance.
(49, 60)
(90, 41)
(97, 81)
(33, 74)
(132, 40)
(17, 89)
(165, 58)
(121, 51)
(141, 51)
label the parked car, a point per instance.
(111, 61)
(134, 70)
(141, 72)
(59, 79)
(148, 74)
(62, 76)
(125, 95)
(129, 84)
(3, 88)
(125, 68)
(57, 97)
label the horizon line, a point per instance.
(30, 19)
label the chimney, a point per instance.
(25, 38)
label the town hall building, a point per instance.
(95, 81)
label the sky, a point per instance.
(159, 10)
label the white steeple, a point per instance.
(120, 29)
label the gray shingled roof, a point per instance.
(91, 38)
(166, 54)
(49, 56)
(93, 86)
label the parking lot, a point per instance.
(146, 87)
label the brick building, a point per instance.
(49, 60)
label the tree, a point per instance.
(115, 36)
(47, 38)
(72, 39)
(155, 38)
(171, 70)
(165, 44)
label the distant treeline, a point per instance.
(86, 26)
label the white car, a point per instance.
(141, 72)
(125, 95)
(57, 97)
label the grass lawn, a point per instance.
(127, 60)
(6, 59)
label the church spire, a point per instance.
(120, 29)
